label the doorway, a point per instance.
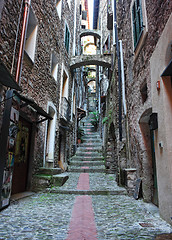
(21, 163)
(155, 185)
(148, 160)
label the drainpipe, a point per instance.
(119, 71)
(74, 30)
(72, 103)
(124, 98)
(122, 78)
(22, 41)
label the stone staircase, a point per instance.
(88, 156)
(89, 159)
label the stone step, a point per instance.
(89, 192)
(86, 163)
(88, 128)
(50, 171)
(91, 136)
(60, 179)
(87, 170)
(91, 144)
(42, 181)
(89, 131)
(91, 154)
(87, 158)
(91, 140)
(92, 149)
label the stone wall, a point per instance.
(137, 73)
(36, 79)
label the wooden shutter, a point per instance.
(137, 21)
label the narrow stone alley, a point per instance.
(88, 206)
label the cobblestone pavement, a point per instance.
(65, 216)
(47, 215)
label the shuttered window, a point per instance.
(137, 21)
(67, 38)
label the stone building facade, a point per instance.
(143, 109)
(46, 106)
(143, 154)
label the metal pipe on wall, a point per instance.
(22, 41)
(17, 32)
(119, 72)
(122, 78)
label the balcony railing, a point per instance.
(65, 109)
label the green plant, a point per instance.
(106, 119)
(95, 119)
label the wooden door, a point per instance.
(21, 162)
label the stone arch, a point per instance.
(88, 32)
(99, 60)
(91, 80)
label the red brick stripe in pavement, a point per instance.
(82, 224)
(83, 182)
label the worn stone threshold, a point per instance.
(88, 192)
(21, 195)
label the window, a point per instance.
(54, 66)
(67, 38)
(83, 26)
(106, 46)
(31, 34)
(59, 8)
(144, 92)
(139, 25)
(84, 15)
(137, 21)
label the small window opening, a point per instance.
(144, 93)
(31, 34)
(59, 8)
(54, 66)
(67, 38)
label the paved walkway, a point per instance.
(89, 206)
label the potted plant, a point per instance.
(80, 134)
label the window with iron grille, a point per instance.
(67, 38)
(137, 21)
